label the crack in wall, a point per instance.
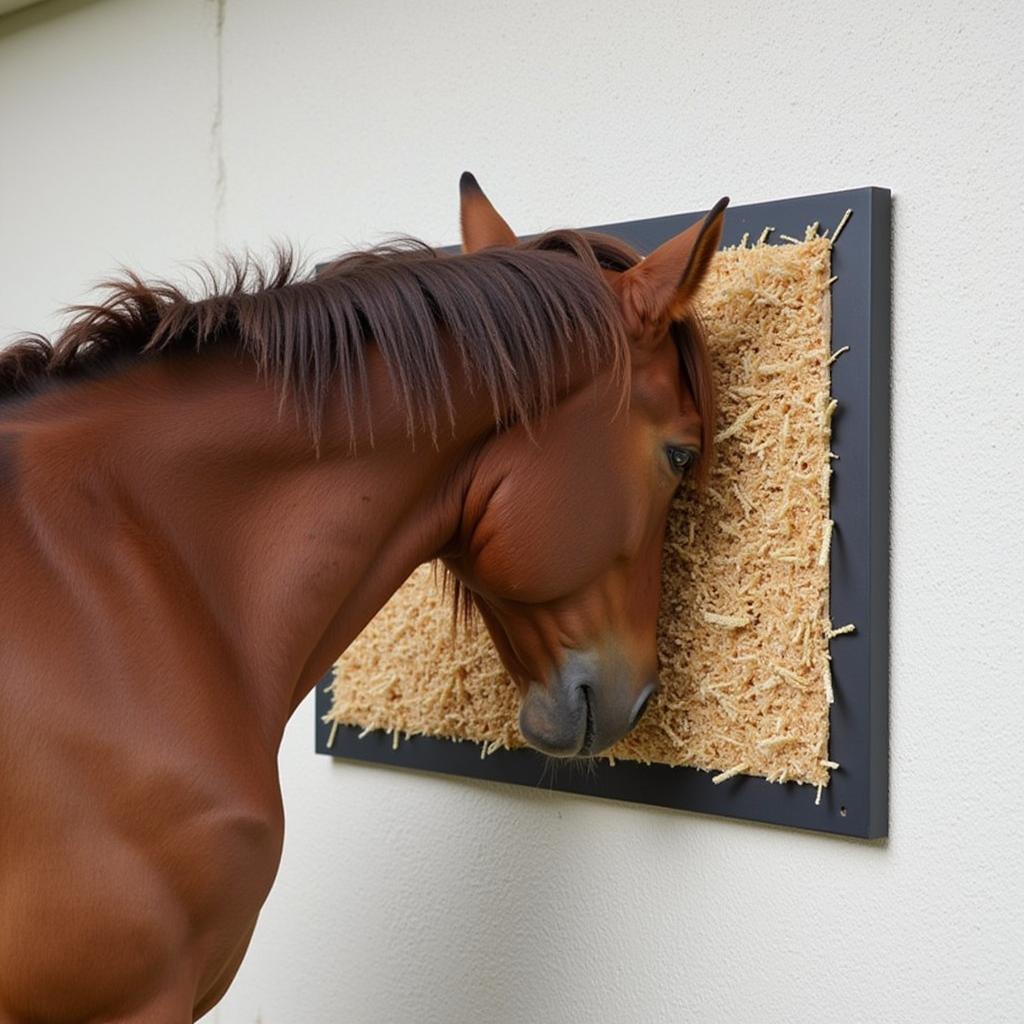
(217, 126)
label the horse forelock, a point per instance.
(695, 361)
(688, 334)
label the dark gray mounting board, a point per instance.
(856, 803)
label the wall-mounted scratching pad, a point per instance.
(744, 630)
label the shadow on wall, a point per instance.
(16, 15)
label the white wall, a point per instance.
(132, 131)
(107, 155)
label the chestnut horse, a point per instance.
(204, 500)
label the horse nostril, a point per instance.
(588, 728)
(639, 713)
(641, 707)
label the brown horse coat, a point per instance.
(202, 502)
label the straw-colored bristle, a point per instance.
(736, 769)
(842, 630)
(739, 423)
(826, 543)
(744, 627)
(842, 224)
(728, 621)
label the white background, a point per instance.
(145, 133)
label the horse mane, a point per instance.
(515, 315)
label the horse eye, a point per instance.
(681, 459)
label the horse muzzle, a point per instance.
(584, 708)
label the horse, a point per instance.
(205, 496)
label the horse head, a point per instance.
(562, 531)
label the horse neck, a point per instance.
(185, 472)
(240, 530)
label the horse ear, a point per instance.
(665, 282)
(482, 225)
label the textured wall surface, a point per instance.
(145, 132)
